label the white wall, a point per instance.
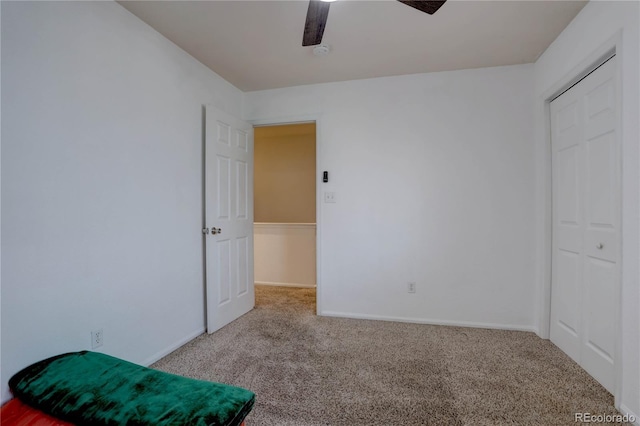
(101, 183)
(434, 179)
(285, 254)
(588, 33)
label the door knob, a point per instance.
(600, 246)
(213, 231)
(205, 230)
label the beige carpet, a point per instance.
(310, 370)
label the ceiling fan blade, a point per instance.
(315, 23)
(429, 7)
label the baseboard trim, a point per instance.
(430, 321)
(539, 333)
(276, 284)
(159, 355)
(625, 411)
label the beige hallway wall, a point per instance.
(284, 173)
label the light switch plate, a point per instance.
(329, 197)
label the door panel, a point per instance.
(242, 198)
(598, 356)
(599, 104)
(567, 222)
(602, 231)
(566, 316)
(229, 215)
(223, 183)
(224, 131)
(568, 200)
(599, 279)
(223, 268)
(243, 265)
(586, 210)
(601, 180)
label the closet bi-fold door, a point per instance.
(586, 222)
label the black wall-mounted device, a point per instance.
(325, 176)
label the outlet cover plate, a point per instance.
(97, 339)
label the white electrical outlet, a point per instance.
(411, 287)
(97, 339)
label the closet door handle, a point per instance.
(600, 246)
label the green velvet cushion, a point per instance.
(89, 388)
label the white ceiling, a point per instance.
(257, 45)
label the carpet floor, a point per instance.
(311, 370)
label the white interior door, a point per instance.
(586, 223)
(229, 218)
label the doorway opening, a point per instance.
(285, 212)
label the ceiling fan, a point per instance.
(319, 10)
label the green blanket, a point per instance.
(89, 388)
